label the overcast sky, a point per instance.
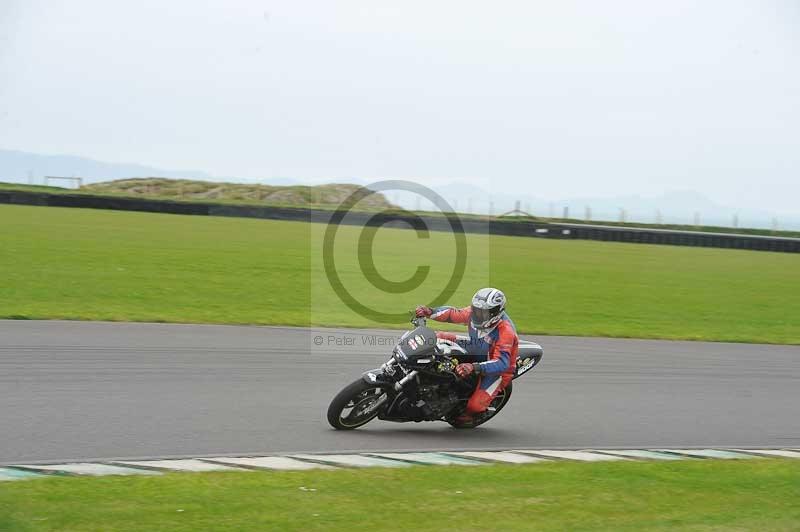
(556, 99)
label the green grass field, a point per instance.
(700, 495)
(107, 265)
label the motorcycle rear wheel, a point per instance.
(350, 408)
(495, 407)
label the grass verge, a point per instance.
(124, 266)
(688, 495)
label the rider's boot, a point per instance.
(465, 419)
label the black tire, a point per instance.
(497, 403)
(358, 394)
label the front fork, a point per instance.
(384, 378)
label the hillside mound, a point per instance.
(301, 195)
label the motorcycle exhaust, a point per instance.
(405, 380)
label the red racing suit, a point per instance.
(498, 348)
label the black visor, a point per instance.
(482, 315)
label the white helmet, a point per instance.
(488, 305)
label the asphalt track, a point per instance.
(80, 391)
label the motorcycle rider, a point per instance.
(492, 335)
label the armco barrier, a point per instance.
(434, 223)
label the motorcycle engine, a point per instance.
(438, 400)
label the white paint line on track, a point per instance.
(281, 463)
(351, 460)
(16, 474)
(500, 456)
(642, 454)
(583, 456)
(88, 469)
(390, 459)
(188, 464)
(709, 453)
(429, 458)
(772, 452)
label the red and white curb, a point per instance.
(302, 462)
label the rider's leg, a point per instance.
(481, 398)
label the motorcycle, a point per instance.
(418, 383)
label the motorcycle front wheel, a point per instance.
(355, 405)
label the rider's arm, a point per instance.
(452, 314)
(500, 356)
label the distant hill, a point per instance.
(679, 207)
(23, 167)
(674, 207)
(186, 189)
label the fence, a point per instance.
(435, 223)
